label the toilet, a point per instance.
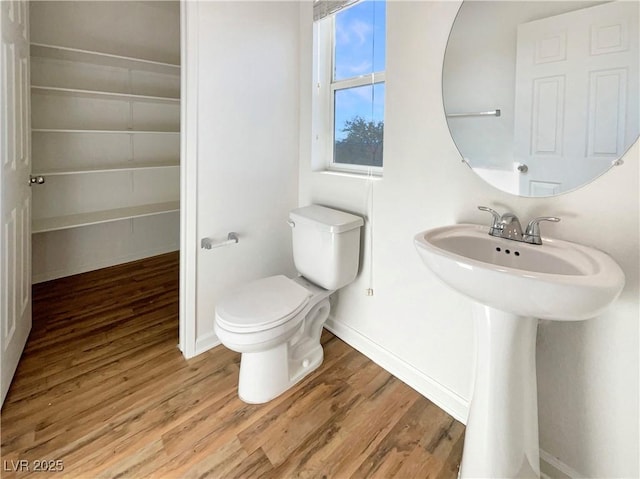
(276, 322)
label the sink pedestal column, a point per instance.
(501, 438)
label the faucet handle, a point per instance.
(533, 228)
(496, 227)
(496, 216)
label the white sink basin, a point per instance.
(557, 280)
(513, 284)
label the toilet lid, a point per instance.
(262, 304)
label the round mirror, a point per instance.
(542, 97)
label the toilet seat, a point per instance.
(261, 305)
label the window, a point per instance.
(349, 105)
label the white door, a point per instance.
(15, 206)
(577, 99)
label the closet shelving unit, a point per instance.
(105, 135)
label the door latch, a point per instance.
(36, 180)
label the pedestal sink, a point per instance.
(513, 284)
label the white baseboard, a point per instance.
(83, 268)
(206, 342)
(440, 395)
(553, 468)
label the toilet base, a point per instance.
(264, 375)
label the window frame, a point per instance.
(323, 107)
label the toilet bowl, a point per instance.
(276, 322)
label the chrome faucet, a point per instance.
(508, 226)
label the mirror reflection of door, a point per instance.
(573, 116)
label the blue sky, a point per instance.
(360, 49)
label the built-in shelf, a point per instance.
(163, 92)
(101, 95)
(98, 58)
(68, 130)
(128, 166)
(96, 217)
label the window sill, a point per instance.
(374, 176)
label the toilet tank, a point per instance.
(326, 245)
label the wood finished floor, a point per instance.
(103, 388)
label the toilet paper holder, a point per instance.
(209, 243)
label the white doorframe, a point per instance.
(188, 175)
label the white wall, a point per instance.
(419, 329)
(242, 117)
